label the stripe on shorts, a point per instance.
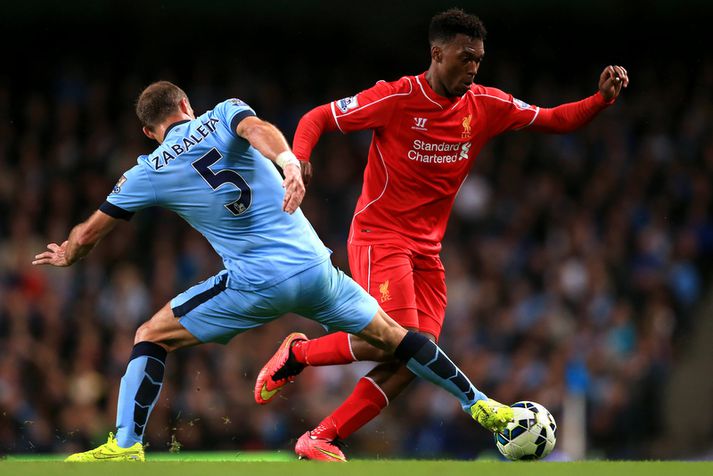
(198, 299)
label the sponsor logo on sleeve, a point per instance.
(117, 187)
(521, 104)
(237, 102)
(347, 103)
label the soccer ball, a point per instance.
(531, 435)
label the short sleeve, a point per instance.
(131, 193)
(369, 109)
(506, 113)
(232, 112)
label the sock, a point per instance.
(332, 349)
(139, 391)
(428, 361)
(363, 405)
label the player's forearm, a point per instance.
(267, 139)
(80, 242)
(84, 237)
(571, 116)
(310, 128)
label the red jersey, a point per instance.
(422, 149)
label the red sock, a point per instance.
(363, 405)
(332, 349)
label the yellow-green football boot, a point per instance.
(492, 415)
(109, 451)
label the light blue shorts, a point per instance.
(213, 312)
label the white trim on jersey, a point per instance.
(378, 388)
(424, 93)
(334, 114)
(368, 271)
(371, 103)
(461, 184)
(386, 183)
(537, 112)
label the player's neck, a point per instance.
(160, 132)
(436, 86)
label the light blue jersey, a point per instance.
(229, 192)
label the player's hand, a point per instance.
(294, 188)
(306, 172)
(612, 79)
(56, 256)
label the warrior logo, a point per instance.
(419, 123)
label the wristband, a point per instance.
(286, 157)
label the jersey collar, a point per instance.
(177, 123)
(432, 95)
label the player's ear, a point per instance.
(185, 106)
(148, 133)
(436, 53)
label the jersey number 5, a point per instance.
(215, 180)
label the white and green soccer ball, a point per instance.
(531, 435)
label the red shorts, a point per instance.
(409, 286)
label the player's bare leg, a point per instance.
(333, 349)
(391, 376)
(140, 387)
(165, 330)
(422, 357)
(364, 351)
(367, 400)
(370, 396)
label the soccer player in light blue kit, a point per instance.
(214, 172)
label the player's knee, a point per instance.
(145, 333)
(150, 331)
(160, 329)
(386, 339)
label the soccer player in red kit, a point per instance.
(428, 130)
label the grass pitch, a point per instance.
(284, 464)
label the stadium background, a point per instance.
(578, 266)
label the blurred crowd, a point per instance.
(573, 265)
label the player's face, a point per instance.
(460, 60)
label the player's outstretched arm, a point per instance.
(571, 116)
(270, 142)
(80, 242)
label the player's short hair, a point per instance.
(446, 25)
(158, 101)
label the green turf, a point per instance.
(207, 456)
(268, 464)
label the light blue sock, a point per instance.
(428, 361)
(139, 391)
